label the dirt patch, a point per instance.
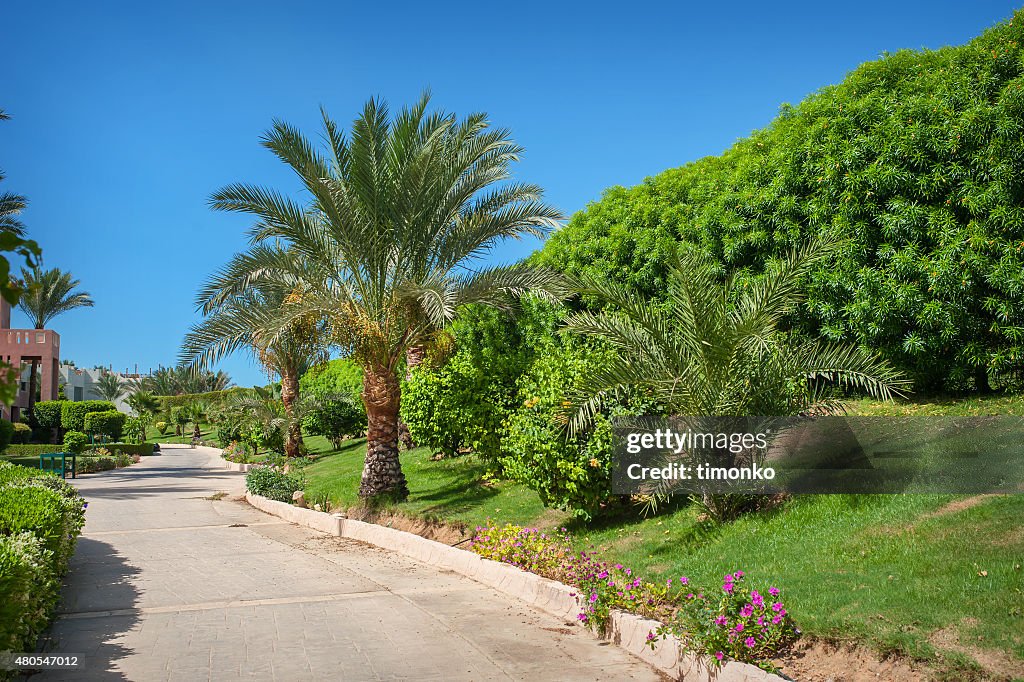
(997, 664)
(813, 660)
(959, 505)
(447, 533)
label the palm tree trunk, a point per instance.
(414, 356)
(382, 472)
(290, 396)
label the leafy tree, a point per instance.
(48, 293)
(248, 317)
(399, 212)
(718, 349)
(110, 387)
(333, 417)
(917, 159)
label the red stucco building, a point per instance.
(18, 347)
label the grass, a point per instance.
(208, 431)
(890, 571)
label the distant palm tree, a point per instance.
(10, 204)
(719, 349)
(48, 293)
(402, 210)
(183, 381)
(143, 403)
(242, 320)
(110, 386)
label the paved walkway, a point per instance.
(170, 583)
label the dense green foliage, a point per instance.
(75, 441)
(72, 414)
(273, 483)
(334, 418)
(339, 376)
(212, 398)
(459, 403)
(6, 434)
(41, 517)
(48, 413)
(917, 159)
(109, 423)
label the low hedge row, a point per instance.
(41, 517)
(36, 449)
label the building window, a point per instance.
(79, 393)
(40, 338)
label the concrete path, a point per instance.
(170, 583)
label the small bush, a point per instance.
(92, 465)
(22, 433)
(162, 427)
(135, 429)
(236, 452)
(229, 431)
(72, 415)
(334, 418)
(50, 516)
(109, 424)
(273, 483)
(75, 441)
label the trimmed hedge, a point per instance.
(72, 414)
(6, 433)
(109, 423)
(22, 433)
(36, 449)
(48, 413)
(212, 398)
(41, 517)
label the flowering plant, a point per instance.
(741, 623)
(737, 622)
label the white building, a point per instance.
(79, 384)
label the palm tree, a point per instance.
(48, 293)
(143, 403)
(400, 213)
(183, 381)
(11, 204)
(110, 386)
(719, 349)
(241, 320)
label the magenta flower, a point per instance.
(750, 642)
(776, 619)
(650, 636)
(756, 599)
(747, 611)
(739, 627)
(719, 655)
(728, 577)
(721, 620)
(684, 580)
(593, 597)
(774, 591)
(777, 606)
(727, 587)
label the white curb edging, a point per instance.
(627, 630)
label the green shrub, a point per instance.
(36, 449)
(568, 473)
(135, 429)
(6, 434)
(161, 427)
(273, 483)
(334, 419)
(48, 413)
(915, 158)
(462, 402)
(89, 465)
(29, 590)
(109, 423)
(229, 431)
(54, 518)
(72, 415)
(75, 441)
(22, 433)
(337, 377)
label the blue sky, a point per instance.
(125, 117)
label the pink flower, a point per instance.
(593, 597)
(684, 580)
(747, 611)
(719, 655)
(727, 587)
(738, 574)
(774, 591)
(777, 606)
(721, 620)
(750, 642)
(776, 619)
(756, 599)
(650, 636)
(728, 577)
(739, 627)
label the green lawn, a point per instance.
(208, 431)
(887, 570)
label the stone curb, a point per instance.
(626, 630)
(235, 466)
